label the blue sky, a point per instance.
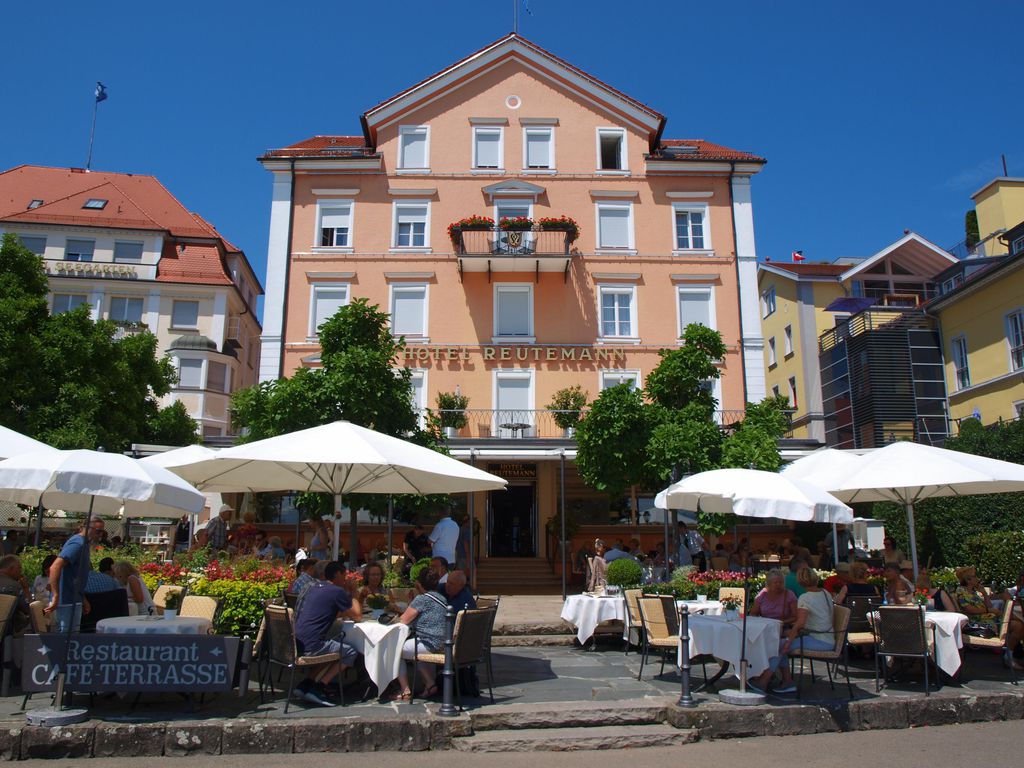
(874, 116)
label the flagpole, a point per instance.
(92, 133)
(515, 17)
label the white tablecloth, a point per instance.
(707, 607)
(585, 612)
(154, 625)
(721, 638)
(381, 646)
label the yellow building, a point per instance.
(1000, 206)
(800, 301)
(981, 316)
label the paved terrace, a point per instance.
(534, 687)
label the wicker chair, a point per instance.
(900, 631)
(468, 649)
(8, 604)
(489, 604)
(201, 607)
(860, 633)
(999, 641)
(36, 614)
(160, 596)
(839, 652)
(660, 628)
(633, 616)
(283, 651)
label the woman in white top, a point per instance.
(41, 585)
(140, 602)
(813, 619)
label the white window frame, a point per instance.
(22, 238)
(126, 299)
(709, 291)
(623, 170)
(527, 288)
(775, 390)
(68, 252)
(202, 373)
(334, 204)
(1018, 409)
(538, 129)
(704, 210)
(634, 331)
(314, 290)
(529, 413)
(1017, 246)
(791, 384)
(53, 302)
(194, 327)
(403, 131)
(396, 207)
(630, 247)
(787, 334)
(122, 260)
(961, 362)
(396, 288)
(618, 373)
(420, 406)
(1015, 318)
(500, 203)
(773, 359)
(768, 302)
(491, 129)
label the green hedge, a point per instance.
(998, 556)
(625, 572)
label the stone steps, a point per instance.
(575, 739)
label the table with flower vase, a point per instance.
(586, 611)
(949, 637)
(721, 637)
(380, 645)
(154, 625)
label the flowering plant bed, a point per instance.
(470, 222)
(515, 223)
(561, 224)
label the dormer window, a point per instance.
(95, 204)
(34, 203)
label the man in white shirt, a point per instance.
(444, 537)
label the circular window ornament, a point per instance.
(513, 102)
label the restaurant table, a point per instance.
(585, 612)
(949, 637)
(380, 645)
(721, 637)
(705, 607)
(154, 625)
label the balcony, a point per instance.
(125, 328)
(492, 249)
(517, 424)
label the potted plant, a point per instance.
(515, 223)
(731, 606)
(171, 604)
(451, 407)
(567, 405)
(560, 224)
(469, 223)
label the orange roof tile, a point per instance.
(327, 146)
(192, 263)
(705, 150)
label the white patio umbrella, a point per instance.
(179, 456)
(826, 468)
(12, 443)
(758, 494)
(906, 473)
(336, 458)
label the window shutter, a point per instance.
(513, 313)
(514, 395)
(407, 318)
(414, 149)
(127, 251)
(614, 224)
(185, 314)
(694, 308)
(332, 218)
(488, 143)
(190, 373)
(538, 149)
(328, 302)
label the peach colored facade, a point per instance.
(588, 315)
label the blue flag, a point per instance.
(101, 92)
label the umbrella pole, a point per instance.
(913, 537)
(835, 546)
(336, 524)
(353, 539)
(561, 542)
(39, 523)
(391, 525)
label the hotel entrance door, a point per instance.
(513, 514)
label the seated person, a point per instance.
(460, 597)
(426, 614)
(41, 585)
(635, 550)
(775, 601)
(898, 590)
(796, 563)
(373, 582)
(937, 597)
(857, 584)
(140, 602)
(304, 575)
(617, 551)
(439, 565)
(977, 605)
(13, 582)
(813, 617)
(322, 604)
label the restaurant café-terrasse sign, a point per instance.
(550, 354)
(111, 662)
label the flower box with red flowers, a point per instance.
(560, 224)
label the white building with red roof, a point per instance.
(124, 245)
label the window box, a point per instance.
(561, 224)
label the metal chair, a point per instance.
(859, 632)
(900, 632)
(839, 652)
(283, 651)
(660, 628)
(8, 604)
(467, 650)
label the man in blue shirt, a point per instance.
(460, 598)
(323, 602)
(69, 574)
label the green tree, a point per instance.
(66, 379)
(683, 375)
(172, 426)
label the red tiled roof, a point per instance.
(810, 268)
(326, 146)
(705, 150)
(192, 263)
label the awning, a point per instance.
(851, 304)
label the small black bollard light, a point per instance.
(685, 696)
(448, 708)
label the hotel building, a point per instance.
(507, 318)
(125, 246)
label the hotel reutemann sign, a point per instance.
(600, 356)
(113, 662)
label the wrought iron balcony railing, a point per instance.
(493, 241)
